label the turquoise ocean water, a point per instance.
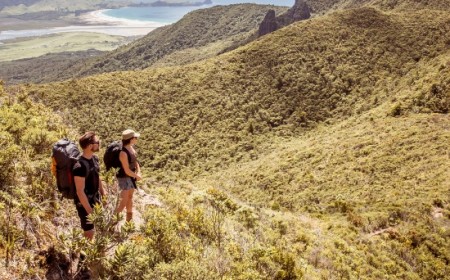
(158, 15)
(168, 15)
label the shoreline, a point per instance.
(99, 17)
(94, 21)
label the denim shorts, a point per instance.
(126, 183)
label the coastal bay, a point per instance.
(92, 30)
(103, 30)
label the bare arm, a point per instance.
(101, 188)
(53, 166)
(138, 168)
(79, 184)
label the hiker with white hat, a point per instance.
(129, 172)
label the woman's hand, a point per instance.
(138, 177)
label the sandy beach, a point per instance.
(100, 18)
(95, 21)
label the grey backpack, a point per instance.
(66, 154)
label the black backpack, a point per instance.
(111, 156)
(66, 154)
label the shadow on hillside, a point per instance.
(60, 267)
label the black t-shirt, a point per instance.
(92, 178)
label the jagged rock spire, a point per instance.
(300, 11)
(269, 24)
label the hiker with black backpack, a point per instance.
(129, 172)
(89, 188)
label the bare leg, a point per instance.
(129, 205)
(124, 196)
(89, 234)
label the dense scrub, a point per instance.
(26, 189)
(204, 33)
(211, 113)
(200, 235)
(41, 69)
(324, 6)
(385, 179)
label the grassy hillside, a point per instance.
(209, 37)
(214, 31)
(317, 152)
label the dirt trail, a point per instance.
(142, 200)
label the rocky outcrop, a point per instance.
(269, 24)
(300, 11)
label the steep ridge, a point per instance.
(170, 47)
(177, 49)
(409, 131)
(323, 6)
(300, 11)
(220, 25)
(210, 113)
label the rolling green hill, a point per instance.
(209, 32)
(319, 151)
